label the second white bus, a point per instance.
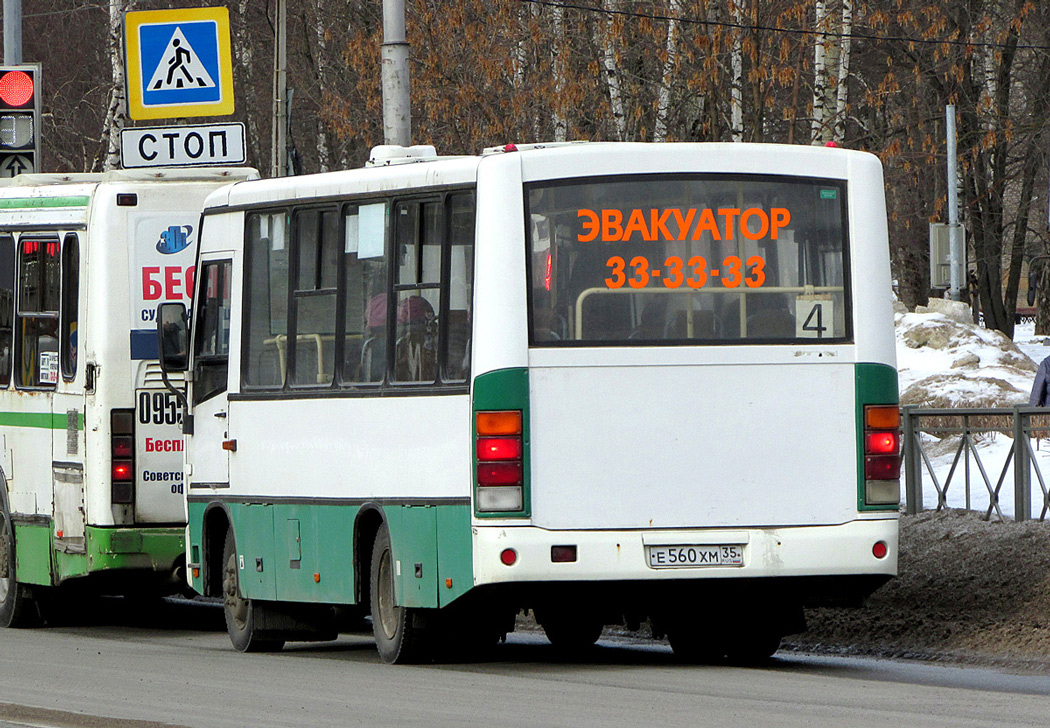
(607, 383)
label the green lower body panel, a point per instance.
(305, 552)
(33, 553)
(154, 549)
(42, 561)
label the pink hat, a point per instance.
(376, 314)
(414, 310)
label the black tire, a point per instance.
(470, 633)
(402, 633)
(569, 631)
(18, 605)
(241, 613)
(695, 644)
(754, 648)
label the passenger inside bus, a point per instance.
(415, 354)
(373, 350)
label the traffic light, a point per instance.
(19, 119)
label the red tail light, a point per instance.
(499, 473)
(882, 460)
(882, 467)
(122, 456)
(881, 443)
(123, 446)
(500, 466)
(499, 448)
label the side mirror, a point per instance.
(173, 337)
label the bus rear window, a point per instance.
(663, 260)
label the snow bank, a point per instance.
(944, 360)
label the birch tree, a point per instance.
(320, 33)
(842, 91)
(559, 52)
(606, 39)
(663, 103)
(820, 81)
(736, 103)
(116, 109)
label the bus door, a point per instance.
(210, 445)
(59, 369)
(41, 417)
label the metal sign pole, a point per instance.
(279, 153)
(12, 32)
(397, 110)
(955, 241)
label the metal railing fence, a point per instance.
(1022, 423)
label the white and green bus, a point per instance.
(90, 445)
(603, 382)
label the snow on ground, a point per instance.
(943, 360)
(994, 450)
(946, 361)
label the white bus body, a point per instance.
(91, 482)
(661, 410)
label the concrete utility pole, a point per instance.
(955, 255)
(397, 109)
(12, 32)
(279, 136)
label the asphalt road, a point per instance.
(177, 668)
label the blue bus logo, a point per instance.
(175, 239)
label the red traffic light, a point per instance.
(16, 88)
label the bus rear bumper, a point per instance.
(806, 551)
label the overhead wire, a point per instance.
(66, 11)
(854, 34)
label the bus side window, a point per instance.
(39, 291)
(366, 298)
(212, 330)
(456, 357)
(313, 298)
(69, 316)
(264, 354)
(7, 306)
(418, 236)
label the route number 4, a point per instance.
(814, 318)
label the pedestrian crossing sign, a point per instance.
(178, 63)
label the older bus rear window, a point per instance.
(688, 260)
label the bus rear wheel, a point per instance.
(18, 608)
(240, 612)
(755, 647)
(568, 630)
(694, 645)
(402, 634)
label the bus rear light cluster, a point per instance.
(499, 456)
(122, 456)
(882, 460)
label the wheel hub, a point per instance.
(236, 605)
(387, 610)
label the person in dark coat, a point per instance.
(1041, 388)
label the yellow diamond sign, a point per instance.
(178, 63)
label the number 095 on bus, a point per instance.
(679, 557)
